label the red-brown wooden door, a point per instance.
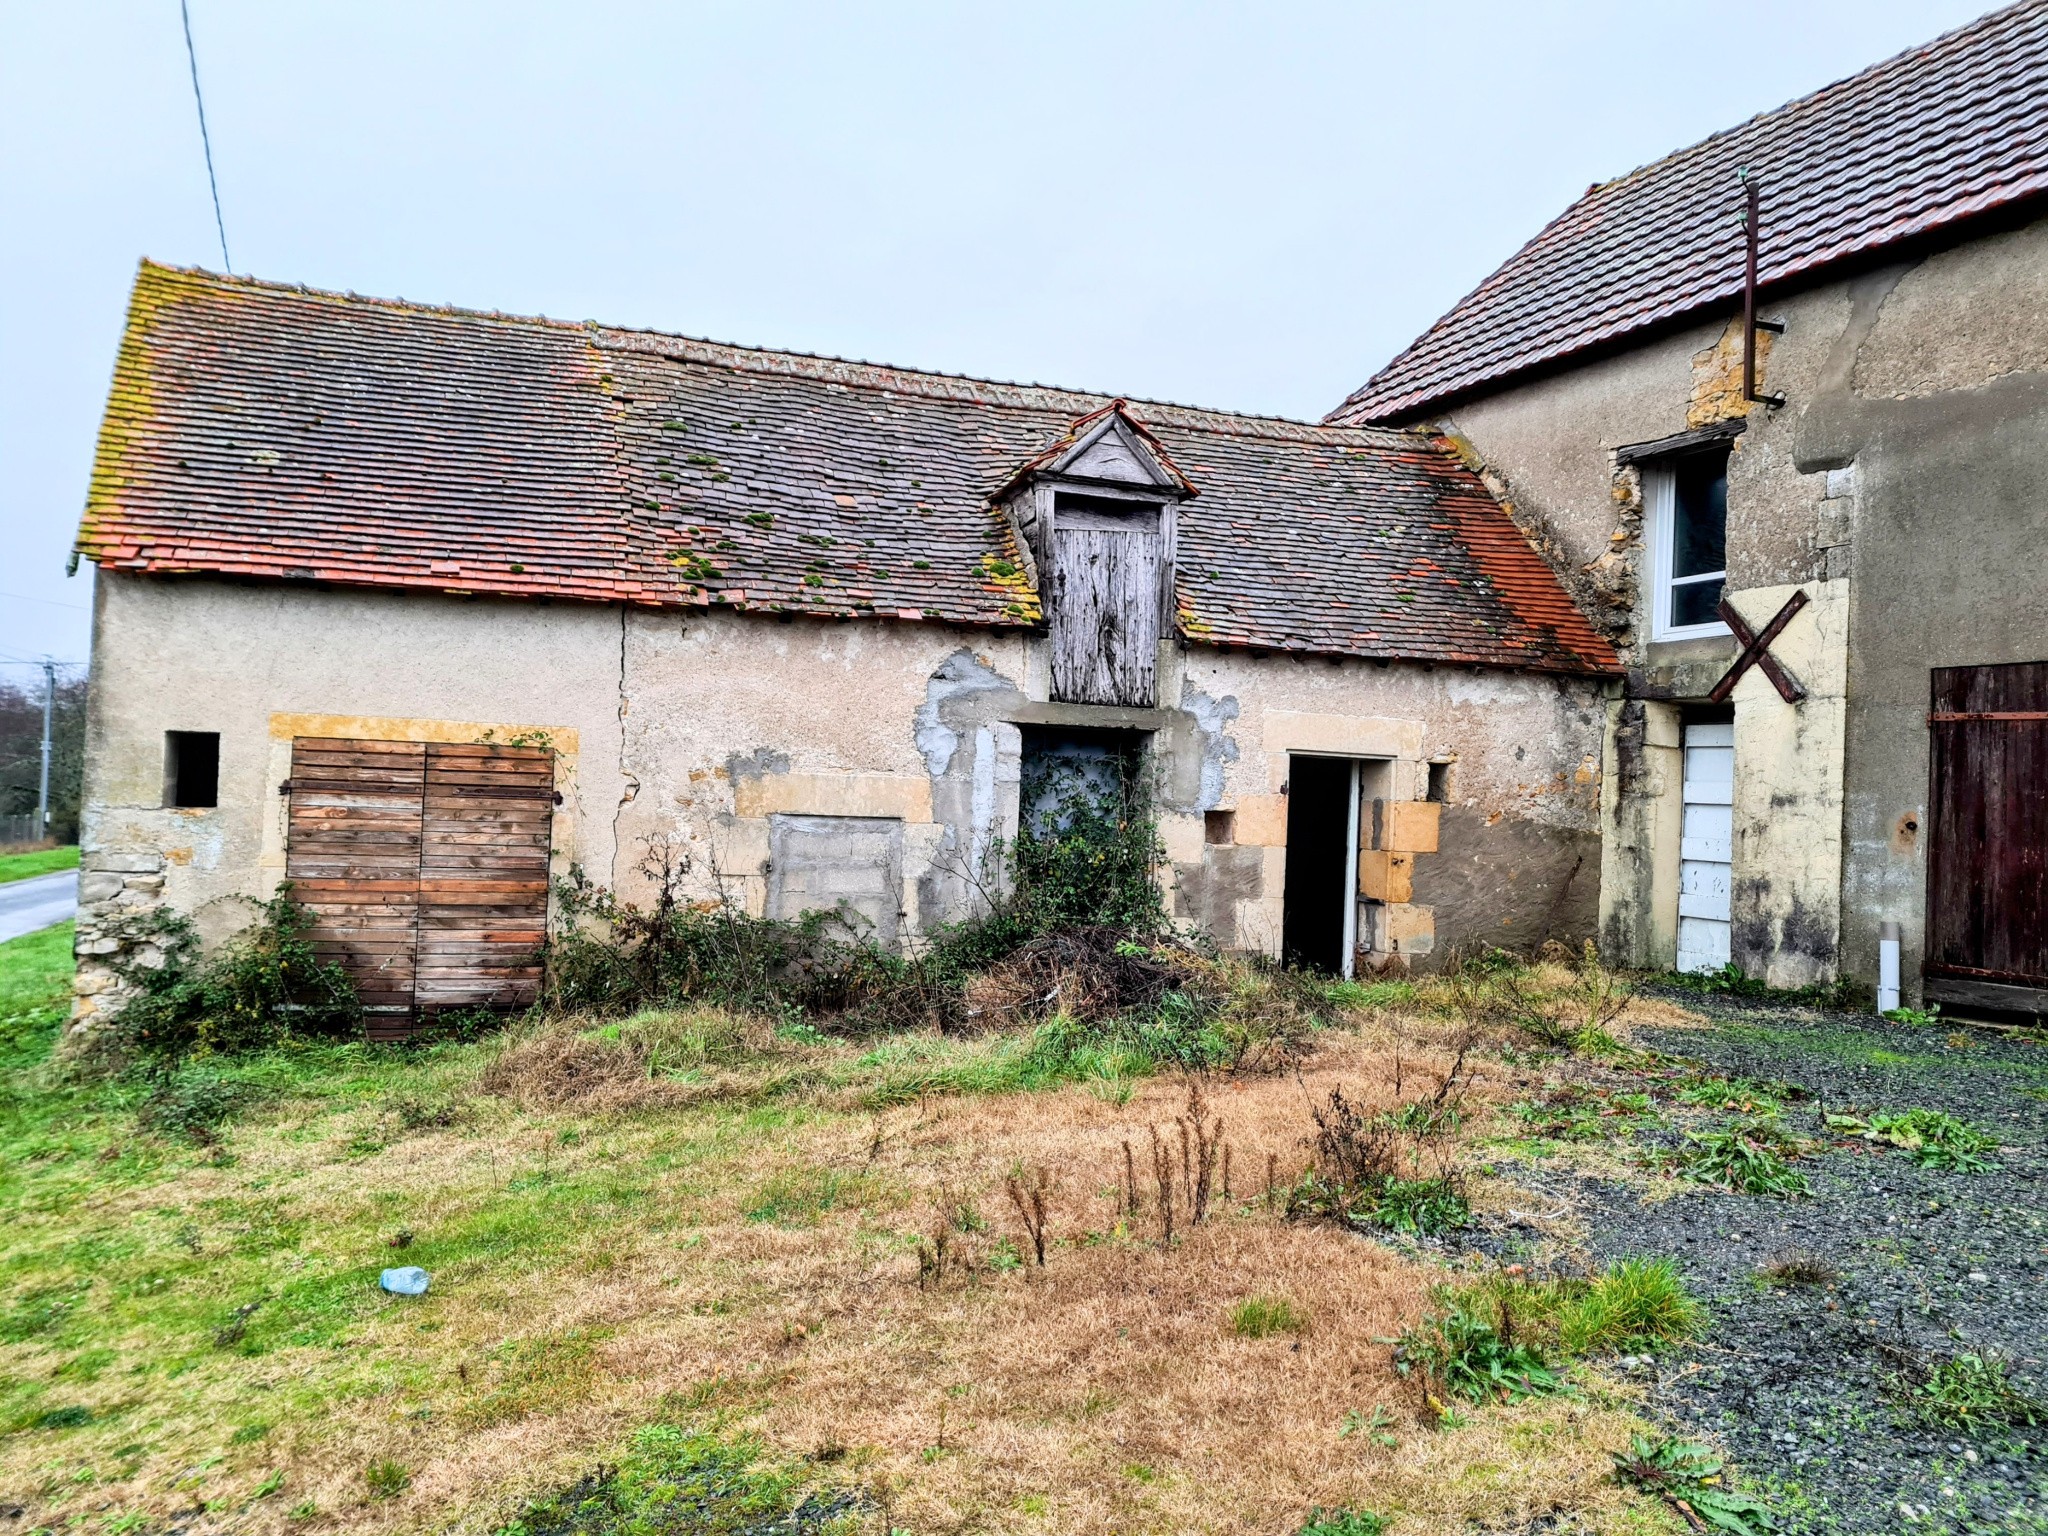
(425, 868)
(1987, 883)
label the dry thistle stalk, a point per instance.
(1272, 1177)
(934, 1252)
(1130, 1183)
(1226, 1172)
(1206, 1136)
(1162, 1170)
(1028, 1194)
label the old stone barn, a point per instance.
(420, 608)
(1681, 585)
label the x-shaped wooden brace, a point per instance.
(1756, 651)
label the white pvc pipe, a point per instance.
(1887, 967)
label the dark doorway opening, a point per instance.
(1059, 763)
(1319, 867)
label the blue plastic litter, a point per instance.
(409, 1280)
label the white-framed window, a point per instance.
(1687, 502)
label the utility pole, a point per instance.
(43, 792)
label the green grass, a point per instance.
(35, 994)
(1635, 1304)
(41, 861)
(1261, 1317)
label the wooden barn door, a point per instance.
(1106, 599)
(483, 875)
(1987, 882)
(425, 868)
(353, 857)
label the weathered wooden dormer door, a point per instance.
(1107, 596)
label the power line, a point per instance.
(206, 143)
(48, 602)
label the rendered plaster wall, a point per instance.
(733, 721)
(1908, 472)
(1515, 857)
(262, 663)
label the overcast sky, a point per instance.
(1250, 205)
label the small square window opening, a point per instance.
(1687, 501)
(1439, 782)
(191, 769)
(1219, 828)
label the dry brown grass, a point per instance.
(764, 1266)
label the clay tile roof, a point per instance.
(1905, 150)
(273, 432)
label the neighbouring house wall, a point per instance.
(774, 761)
(1903, 487)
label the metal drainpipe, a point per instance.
(1887, 967)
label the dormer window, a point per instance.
(1097, 513)
(1106, 598)
(1686, 499)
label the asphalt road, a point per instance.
(26, 905)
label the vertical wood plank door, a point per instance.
(1987, 876)
(353, 857)
(424, 866)
(483, 876)
(1105, 616)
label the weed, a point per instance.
(673, 1480)
(1597, 994)
(799, 1197)
(263, 986)
(71, 1417)
(387, 1479)
(1344, 1522)
(1375, 1425)
(1635, 1304)
(1796, 1266)
(1742, 1095)
(1460, 1354)
(1691, 1479)
(1918, 1018)
(1029, 1193)
(1931, 1137)
(1364, 1177)
(1260, 1317)
(417, 1113)
(189, 1104)
(1574, 1113)
(1729, 981)
(1750, 1157)
(1970, 1393)
(1424, 1117)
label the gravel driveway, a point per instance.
(1791, 1380)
